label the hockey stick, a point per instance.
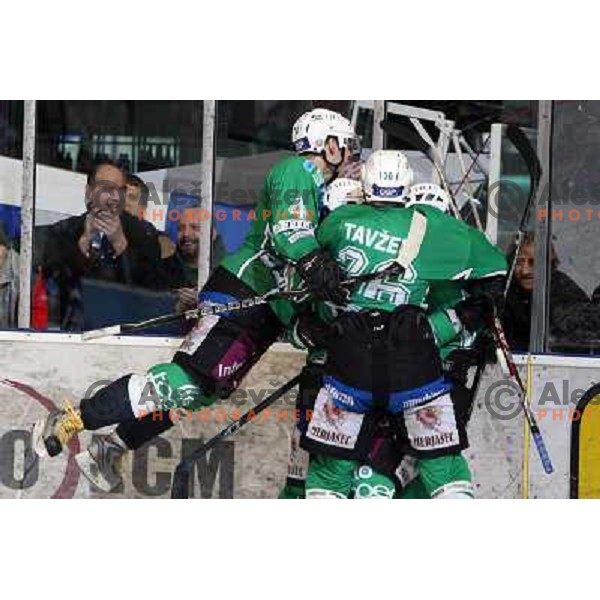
(522, 144)
(410, 247)
(473, 164)
(470, 192)
(536, 434)
(215, 309)
(181, 479)
(194, 313)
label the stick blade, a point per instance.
(95, 334)
(181, 483)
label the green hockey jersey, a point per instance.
(283, 231)
(365, 239)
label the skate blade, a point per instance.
(37, 439)
(90, 471)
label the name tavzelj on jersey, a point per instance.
(378, 240)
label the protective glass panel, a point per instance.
(106, 246)
(11, 152)
(574, 221)
(508, 191)
(506, 200)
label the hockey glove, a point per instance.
(323, 277)
(312, 332)
(475, 312)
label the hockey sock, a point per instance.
(446, 476)
(135, 434)
(107, 406)
(415, 490)
(329, 477)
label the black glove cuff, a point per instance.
(312, 332)
(311, 262)
(475, 312)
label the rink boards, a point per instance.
(40, 371)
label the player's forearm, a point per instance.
(295, 245)
(445, 325)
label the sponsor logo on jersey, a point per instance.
(430, 417)
(292, 225)
(437, 440)
(159, 389)
(188, 394)
(299, 235)
(339, 396)
(331, 437)
(333, 414)
(227, 370)
(412, 402)
(381, 241)
(366, 491)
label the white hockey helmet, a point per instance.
(342, 191)
(429, 194)
(312, 130)
(386, 177)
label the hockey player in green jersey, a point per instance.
(392, 471)
(383, 356)
(222, 349)
(455, 344)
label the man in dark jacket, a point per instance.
(570, 308)
(180, 270)
(105, 243)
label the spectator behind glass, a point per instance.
(104, 243)
(180, 271)
(569, 304)
(136, 202)
(9, 282)
(136, 195)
